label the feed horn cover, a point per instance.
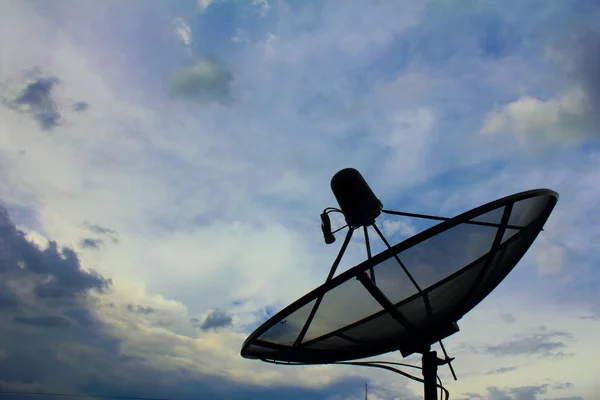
(374, 308)
(355, 197)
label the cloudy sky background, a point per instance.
(163, 166)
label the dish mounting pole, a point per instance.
(430, 365)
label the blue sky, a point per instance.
(166, 163)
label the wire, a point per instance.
(10, 393)
(339, 229)
(380, 364)
(376, 364)
(397, 363)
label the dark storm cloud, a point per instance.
(581, 51)
(563, 386)
(67, 279)
(80, 106)
(216, 319)
(140, 309)
(543, 344)
(22, 215)
(44, 321)
(8, 298)
(568, 398)
(100, 230)
(587, 66)
(516, 393)
(528, 392)
(108, 234)
(57, 271)
(90, 243)
(470, 396)
(84, 356)
(38, 96)
(81, 316)
(509, 318)
(41, 291)
(502, 370)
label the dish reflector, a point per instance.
(454, 264)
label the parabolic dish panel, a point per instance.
(454, 265)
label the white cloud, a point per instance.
(405, 228)
(571, 116)
(184, 33)
(263, 5)
(568, 118)
(241, 36)
(204, 4)
(205, 81)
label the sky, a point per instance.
(163, 166)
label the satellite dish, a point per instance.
(411, 295)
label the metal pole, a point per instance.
(430, 364)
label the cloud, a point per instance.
(9, 299)
(568, 398)
(517, 393)
(36, 99)
(130, 356)
(99, 229)
(502, 370)
(207, 81)
(80, 106)
(570, 117)
(203, 4)
(45, 321)
(90, 243)
(586, 56)
(542, 344)
(404, 228)
(140, 309)
(216, 319)
(562, 386)
(510, 393)
(95, 243)
(263, 5)
(81, 316)
(509, 318)
(566, 118)
(214, 204)
(184, 33)
(471, 396)
(58, 272)
(48, 289)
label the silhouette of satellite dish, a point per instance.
(407, 297)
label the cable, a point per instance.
(9, 393)
(379, 364)
(375, 364)
(339, 229)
